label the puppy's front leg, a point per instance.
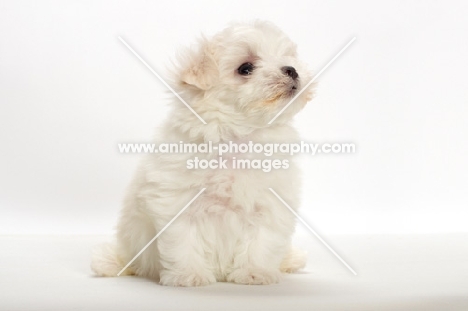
(258, 257)
(182, 255)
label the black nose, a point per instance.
(290, 71)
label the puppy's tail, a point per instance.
(294, 260)
(105, 261)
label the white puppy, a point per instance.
(237, 230)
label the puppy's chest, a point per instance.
(231, 190)
(221, 183)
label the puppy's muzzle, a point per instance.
(290, 71)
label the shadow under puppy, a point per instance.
(236, 230)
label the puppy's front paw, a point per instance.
(254, 276)
(170, 278)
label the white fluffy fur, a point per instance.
(236, 231)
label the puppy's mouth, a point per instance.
(292, 90)
(287, 92)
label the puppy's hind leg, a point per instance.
(294, 260)
(105, 261)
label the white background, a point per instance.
(70, 91)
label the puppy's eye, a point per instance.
(245, 69)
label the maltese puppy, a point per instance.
(236, 230)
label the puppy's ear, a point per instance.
(200, 68)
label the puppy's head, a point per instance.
(245, 74)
